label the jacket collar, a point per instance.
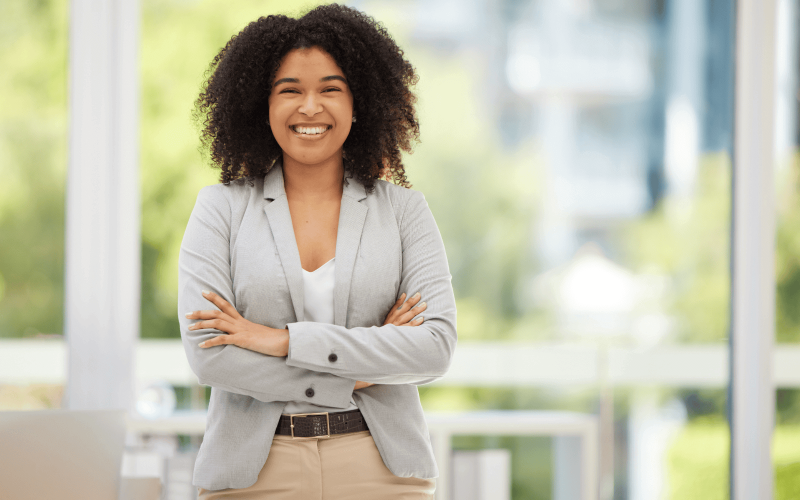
(352, 216)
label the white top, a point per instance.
(318, 307)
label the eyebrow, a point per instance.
(297, 80)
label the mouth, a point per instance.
(310, 131)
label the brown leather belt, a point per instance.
(321, 424)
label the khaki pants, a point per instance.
(342, 467)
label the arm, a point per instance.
(204, 264)
(392, 354)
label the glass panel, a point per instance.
(576, 156)
(33, 157)
(33, 161)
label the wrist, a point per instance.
(283, 339)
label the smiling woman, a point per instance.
(237, 101)
(297, 267)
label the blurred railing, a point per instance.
(476, 364)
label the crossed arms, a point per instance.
(281, 364)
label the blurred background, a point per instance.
(577, 158)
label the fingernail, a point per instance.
(402, 295)
(202, 344)
(206, 292)
(189, 314)
(191, 327)
(416, 295)
(423, 304)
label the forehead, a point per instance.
(312, 63)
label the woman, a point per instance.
(312, 351)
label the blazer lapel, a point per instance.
(280, 221)
(352, 215)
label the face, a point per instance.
(310, 107)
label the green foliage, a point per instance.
(33, 154)
(788, 253)
(787, 406)
(698, 461)
(787, 485)
(786, 459)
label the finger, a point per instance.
(218, 340)
(415, 322)
(407, 305)
(223, 304)
(212, 314)
(399, 303)
(216, 324)
(393, 311)
(412, 301)
(406, 317)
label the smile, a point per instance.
(310, 131)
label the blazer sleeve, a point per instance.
(204, 264)
(392, 354)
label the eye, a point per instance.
(332, 89)
(288, 91)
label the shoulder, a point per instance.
(399, 197)
(228, 196)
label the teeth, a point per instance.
(310, 130)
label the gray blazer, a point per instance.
(240, 244)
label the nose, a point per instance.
(311, 105)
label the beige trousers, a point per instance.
(342, 467)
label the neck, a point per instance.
(319, 181)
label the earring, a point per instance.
(354, 119)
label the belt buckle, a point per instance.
(327, 418)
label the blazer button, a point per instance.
(310, 392)
(332, 357)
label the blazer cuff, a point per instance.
(306, 350)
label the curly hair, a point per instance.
(233, 103)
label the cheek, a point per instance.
(345, 131)
(277, 122)
(277, 108)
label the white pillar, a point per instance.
(753, 266)
(102, 279)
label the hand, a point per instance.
(402, 313)
(240, 332)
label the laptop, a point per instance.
(61, 454)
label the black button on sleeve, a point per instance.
(310, 392)
(332, 357)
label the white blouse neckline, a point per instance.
(320, 267)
